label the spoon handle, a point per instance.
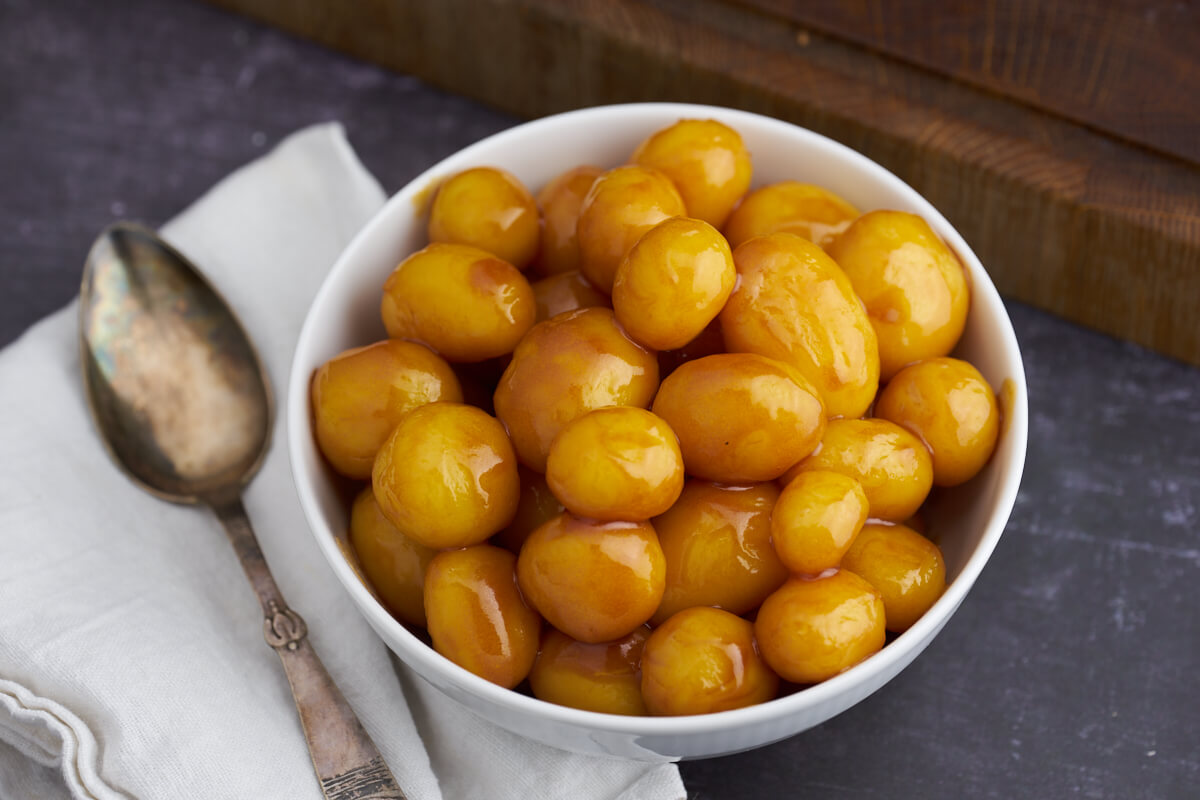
(347, 762)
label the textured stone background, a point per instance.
(1071, 668)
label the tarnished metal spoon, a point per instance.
(182, 402)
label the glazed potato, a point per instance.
(673, 283)
(716, 540)
(793, 303)
(893, 466)
(490, 209)
(447, 476)
(536, 506)
(561, 200)
(477, 617)
(951, 408)
(622, 204)
(604, 677)
(906, 568)
(703, 660)
(740, 417)
(813, 628)
(566, 291)
(816, 519)
(707, 161)
(594, 581)
(564, 368)
(913, 286)
(394, 564)
(466, 304)
(358, 397)
(810, 211)
(618, 463)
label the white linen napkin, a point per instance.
(132, 663)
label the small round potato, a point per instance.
(466, 304)
(906, 568)
(604, 677)
(813, 628)
(893, 466)
(795, 304)
(618, 463)
(951, 408)
(673, 283)
(490, 209)
(704, 660)
(477, 617)
(707, 161)
(565, 367)
(622, 205)
(810, 211)
(594, 581)
(394, 564)
(447, 476)
(912, 284)
(358, 397)
(566, 291)
(561, 200)
(740, 417)
(717, 543)
(816, 519)
(537, 506)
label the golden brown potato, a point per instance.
(793, 303)
(816, 519)
(951, 408)
(358, 397)
(913, 286)
(604, 677)
(564, 368)
(537, 506)
(566, 291)
(466, 304)
(673, 283)
(810, 211)
(393, 563)
(740, 417)
(477, 617)
(447, 476)
(594, 581)
(490, 209)
(561, 200)
(906, 568)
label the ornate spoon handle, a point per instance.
(347, 762)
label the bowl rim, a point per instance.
(423, 657)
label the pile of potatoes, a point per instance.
(680, 469)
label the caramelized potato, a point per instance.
(813, 628)
(622, 205)
(561, 200)
(716, 540)
(894, 468)
(810, 211)
(740, 417)
(358, 397)
(466, 304)
(490, 209)
(566, 367)
(906, 568)
(565, 291)
(477, 617)
(618, 463)
(794, 304)
(447, 476)
(594, 581)
(673, 282)
(393, 563)
(536, 507)
(604, 677)
(704, 660)
(816, 519)
(951, 408)
(706, 160)
(913, 286)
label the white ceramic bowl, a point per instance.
(345, 314)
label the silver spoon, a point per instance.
(183, 405)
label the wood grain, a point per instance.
(1069, 217)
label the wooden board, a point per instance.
(1073, 208)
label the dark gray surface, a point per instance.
(1070, 670)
